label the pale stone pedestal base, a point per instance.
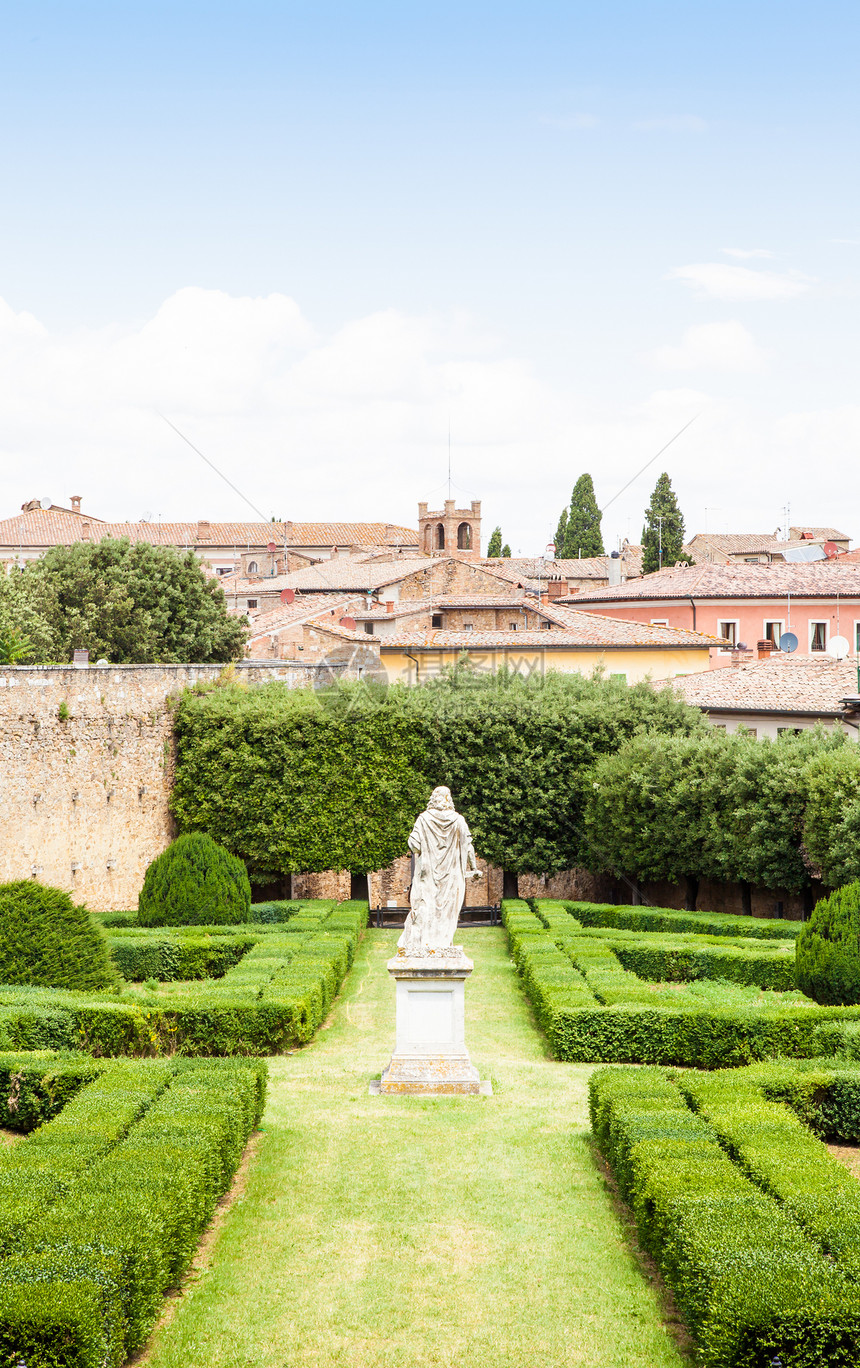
(430, 1056)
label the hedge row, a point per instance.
(170, 958)
(265, 913)
(759, 1281)
(681, 958)
(652, 1023)
(35, 1087)
(107, 1203)
(277, 995)
(666, 919)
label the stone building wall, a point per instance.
(86, 764)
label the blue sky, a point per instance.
(315, 234)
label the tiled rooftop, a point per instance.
(817, 579)
(581, 629)
(813, 685)
(354, 572)
(62, 527)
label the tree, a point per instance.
(828, 949)
(831, 821)
(14, 646)
(194, 881)
(506, 551)
(663, 534)
(494, 546)
(581, 532)
(49, 941)
(131, 603)
(561, 534)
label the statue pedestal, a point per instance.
(430, 1055)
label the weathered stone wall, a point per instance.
(86, 764)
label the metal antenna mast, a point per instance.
(449, 458)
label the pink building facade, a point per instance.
(743, 604)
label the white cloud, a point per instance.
(712, 346)
(683, 123)
(352, 423)
(739, 284)
(746, 254)
(570, 123)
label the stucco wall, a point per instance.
(84, 801)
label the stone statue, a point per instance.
(444, 858)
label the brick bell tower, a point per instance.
(450, 530)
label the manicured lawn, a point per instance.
(397, 1233)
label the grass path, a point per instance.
(404, 1232)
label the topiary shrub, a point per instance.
(49, 941)
(828, 949)
(195, 882)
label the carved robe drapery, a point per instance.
(442, 846)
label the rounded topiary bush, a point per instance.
(48, 940)
(194, 882)
(828, 949)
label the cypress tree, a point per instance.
(561, 533)
(663, 534)
(506, 551)
(582, 535)
(494, 546)
(194, 881)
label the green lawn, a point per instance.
(402, 1232)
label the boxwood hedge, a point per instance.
(751, 1221)
(102, 1207)
(594, 1009)
(275, 996)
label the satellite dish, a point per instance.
(788, 642)
(831, 550)
(45, 503)
(271, 547)
(287, 595)
(838, 647)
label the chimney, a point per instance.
(764, 649)
(389, 605)
(81, 659)
(614, 566)
(76, 503)
(204, 530)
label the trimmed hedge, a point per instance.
(171, 958)
(93, 1246)
(759, 1253)
(828, 948)
(35, 1087)
(667, 919)
(593, 1010)
(47, 939)
(192, 882)
(276, 996)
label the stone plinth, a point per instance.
(430, 1054)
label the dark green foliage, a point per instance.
(593, 1009)
(561, 534)
(273, 913)
(34, 1088)
(663, 534)
(494, 545)
(14, 646)
(295, 781)
(831, 823)
(708, 806)
(93, 1246)
(667, 919)
(581, 529)
(47, 939)
(169, 957)
(132, 603)
(828, 949)
(276, 996)
(506, 551)
(760, 1252)
(195, 882)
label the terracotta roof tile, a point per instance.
(813, 685)
(816, 579)
(50, 527)
(581, 629)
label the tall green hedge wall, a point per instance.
(297, 781)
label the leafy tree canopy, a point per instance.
(494, 545)
(131, 603)
(578, 532)
(292, 780)
(832, 815)
(663, 534)
(506, 551)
